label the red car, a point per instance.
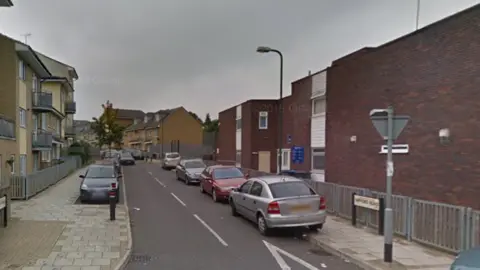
(219, 180)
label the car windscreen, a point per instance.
(100, 172)
(174, 155)
(226, 173)
(290, 189)
(126, 156)
(194, 164)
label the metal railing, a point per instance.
(447, 227)
(70, 107)
(41, 139)
(7, 128)
(24, 187)
(42, 100)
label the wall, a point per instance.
(180, 125)
(8, 78)
(55, 89)
(431, 76)
(226, 134)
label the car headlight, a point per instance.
(84, 186)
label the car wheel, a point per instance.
(201, 188)
(214, 195)
(262, 225)
(315, 228)
(233, 208)
(178, 176)
(187, 182)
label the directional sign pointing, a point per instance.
(276, 251)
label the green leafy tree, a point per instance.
(210, 125)
(107, 131)
(208, 120)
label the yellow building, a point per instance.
(163, 127)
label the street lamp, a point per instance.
(264, 49)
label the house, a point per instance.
(430, 75)
(126, 117)
(34, 101)
(161, 128)
(249, 132)
(83, 132)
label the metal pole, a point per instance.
(280, 114)
(418, 14)
(388, 243)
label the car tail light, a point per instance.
(323, 203)
(273, 208)
(114, 185)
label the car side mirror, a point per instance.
(236, 189)
(247, 175)
(81, 176)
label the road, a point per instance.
(174, 226)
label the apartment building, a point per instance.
(34, 99)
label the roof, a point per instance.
(368, 50)
(152, 122)
(58, 68)
(270, 179)
(129, 114)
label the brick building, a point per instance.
(431, 75)
(248, 132)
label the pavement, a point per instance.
(175, 227)
(51, 232)
(364, 248)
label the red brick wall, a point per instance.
(433, 76)
(226, 134)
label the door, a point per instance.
(206, 182)
(264, 161)
(253, 200)
(241, 200)
(285, 159)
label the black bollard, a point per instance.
(113, 201)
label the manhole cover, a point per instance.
(320, 252)
(140, 258)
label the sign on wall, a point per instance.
(298, 154)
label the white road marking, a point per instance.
(150, 173)
(178, 199)
(160, 182)
(211, 231)
(276, 251)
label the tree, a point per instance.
(210, 125)
(207, 121)
(106, 129)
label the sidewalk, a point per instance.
(365, 249)
(51, 232)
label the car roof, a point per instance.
(192, 159)
(100, 165)
(271, 179)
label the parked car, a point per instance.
(97, 181)
(278, 201)
(137, 154)
(126, 159)
(170, 160)
(189, 170)
(467, 260)
(219, 180)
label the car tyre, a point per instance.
(315, 228)
(214, 195)
(262, 225)
(187, 182)
(178, 176)
(233, 208)
(201, 188)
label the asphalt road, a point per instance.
(174, 227)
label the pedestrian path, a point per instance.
(365, 249)
(51, 232)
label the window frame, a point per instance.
(238, 158)
(244, 184)
(238, 124)
(261, 189)
(317, 152)
(314, 101)
(22, 113)
(34, 83)
(21, 70)
(262, 115)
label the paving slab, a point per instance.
(366, 249)
(50, 231)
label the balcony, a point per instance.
(70, 107)
(7, 128)
(42, 102)
(41, 140)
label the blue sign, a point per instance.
(298, 155)
(289, 139)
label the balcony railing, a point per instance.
(42, 101)
(7, 128)
(70, 107)
(41, 139)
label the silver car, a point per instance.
(97, 182)
(189, 170)
(278, 202)
(171, 160)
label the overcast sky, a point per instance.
(157, 54)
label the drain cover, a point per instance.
(140, 258)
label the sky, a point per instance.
(160, 54)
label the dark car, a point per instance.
(189, 170)
(126, 159)
(467, 260)
(97, 182)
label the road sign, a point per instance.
(381, 124)
(276, 251)
(298, 154)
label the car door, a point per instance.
(253, 200)
(181, 170)
(240, 199)
(204, 178)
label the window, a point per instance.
(46, 156)
(285, 158)
(34, 83)
(1, 172)
(44, 121)
(21, 70)
(239, 123)
(318, 106)
(290, 189)
(318, 159)
(100, 172)
(245, 187)
(227, 173)
(256, 189)
(263, 120)
(23, 118)
(23, 165)
(59, 127)
(238, 158)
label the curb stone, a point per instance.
(124, 261)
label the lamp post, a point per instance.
(264, 49)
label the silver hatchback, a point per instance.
(278, 202)
(171, 160)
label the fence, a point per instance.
(447, 227)
(24, 187)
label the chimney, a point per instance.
(157, 117)
(145, 119)
(309, 72)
